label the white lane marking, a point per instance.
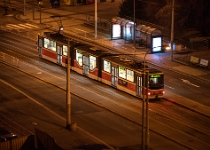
(196, 91)
(35, 101)
(174, 82)
(169, 86)
(188, 82)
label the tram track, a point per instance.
(156, 109)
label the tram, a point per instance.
(116, 70)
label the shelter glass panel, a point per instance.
(116, 31)
(156, 44)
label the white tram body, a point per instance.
(119, 71)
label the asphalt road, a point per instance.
(186, 86)
(111, 128)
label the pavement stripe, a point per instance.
(21, 26)
(31, 25)
(12, 26)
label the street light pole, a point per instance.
(24, 7)
(145, 84)
(68, 93)
(147, 111)
(172, 29)
(134, 20)
(96, 17)
(40, 14)
(143, 110)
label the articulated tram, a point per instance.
(116, 70)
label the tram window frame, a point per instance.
(65, 50)
(107, 66)
(79, 57)
(92, 61)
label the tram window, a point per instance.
(107, 66)
(130, 75)
(46, 42)
(79, 57)
(65, 50)
(155, 80)
(92, 62)
(52, 45)
(122, 72)
(49, 44)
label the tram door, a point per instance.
(85, 65)
(138, 86)
(59, 55)
(40, 46)
(114, 75)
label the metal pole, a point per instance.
(40, 14)
(172, 29)
(143, 103)
(96, 17)
(33, 11)
(24, 7)
(134, 20)
(68, 93)
(147, 111)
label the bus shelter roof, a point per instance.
(121, 21)
(148, 30)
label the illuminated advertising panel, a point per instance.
(116, 31)
(156, 44)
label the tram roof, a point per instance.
(91, 50)
(58, 37)
(124, 61)
(130, 63)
